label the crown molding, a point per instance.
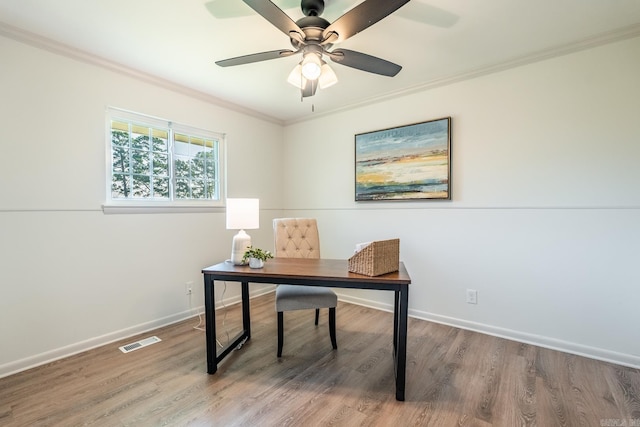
(624, 33)
(40, 42)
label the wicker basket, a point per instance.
(380, 257)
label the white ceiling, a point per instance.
(434, 40)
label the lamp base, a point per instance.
(241, 242)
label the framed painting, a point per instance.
(405, 163)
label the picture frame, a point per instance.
(409, 162)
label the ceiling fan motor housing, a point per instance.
(313, 28)
(312, 7)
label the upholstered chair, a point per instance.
(299, 238)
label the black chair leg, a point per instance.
(332, 327)
(317, 315)
(280, 332)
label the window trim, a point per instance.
(142, 207)
(127, 206)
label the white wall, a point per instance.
(72, 277)
(545, 216)
(544, 220)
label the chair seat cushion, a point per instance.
(297, 297)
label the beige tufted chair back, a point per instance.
(296, 238)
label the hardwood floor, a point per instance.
(454, 378)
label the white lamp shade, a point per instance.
(295, 77)
(328, 77)
(243, 214)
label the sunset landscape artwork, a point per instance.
(404, 163)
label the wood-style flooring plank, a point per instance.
(454, 378)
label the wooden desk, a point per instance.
(308, 272)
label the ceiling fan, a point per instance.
(419, 11)
(313, 36)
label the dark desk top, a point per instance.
(326, 272)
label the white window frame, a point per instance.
(154, 205)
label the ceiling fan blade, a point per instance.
(364, 62)
(256, 57)
(275, 15)
(309, 88)
(360, 18)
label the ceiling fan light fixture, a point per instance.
(311, 66)
(327, 77)
(296, 78)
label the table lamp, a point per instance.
(242, 214)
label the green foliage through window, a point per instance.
(156, 163)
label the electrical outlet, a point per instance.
(188, 288)
(472, 296)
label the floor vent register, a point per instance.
(139, 344)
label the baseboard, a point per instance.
(538, 340)
(510, 334)
(365, 302)
(79, 347)
(236, 299)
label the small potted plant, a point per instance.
(256, 257)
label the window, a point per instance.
(155, 161)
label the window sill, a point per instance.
(138, 207)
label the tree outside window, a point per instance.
(157, 163)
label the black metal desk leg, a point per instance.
(246, 315)
(396, 316)
(210, 323)
(401, 354)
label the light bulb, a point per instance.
(311, 66)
